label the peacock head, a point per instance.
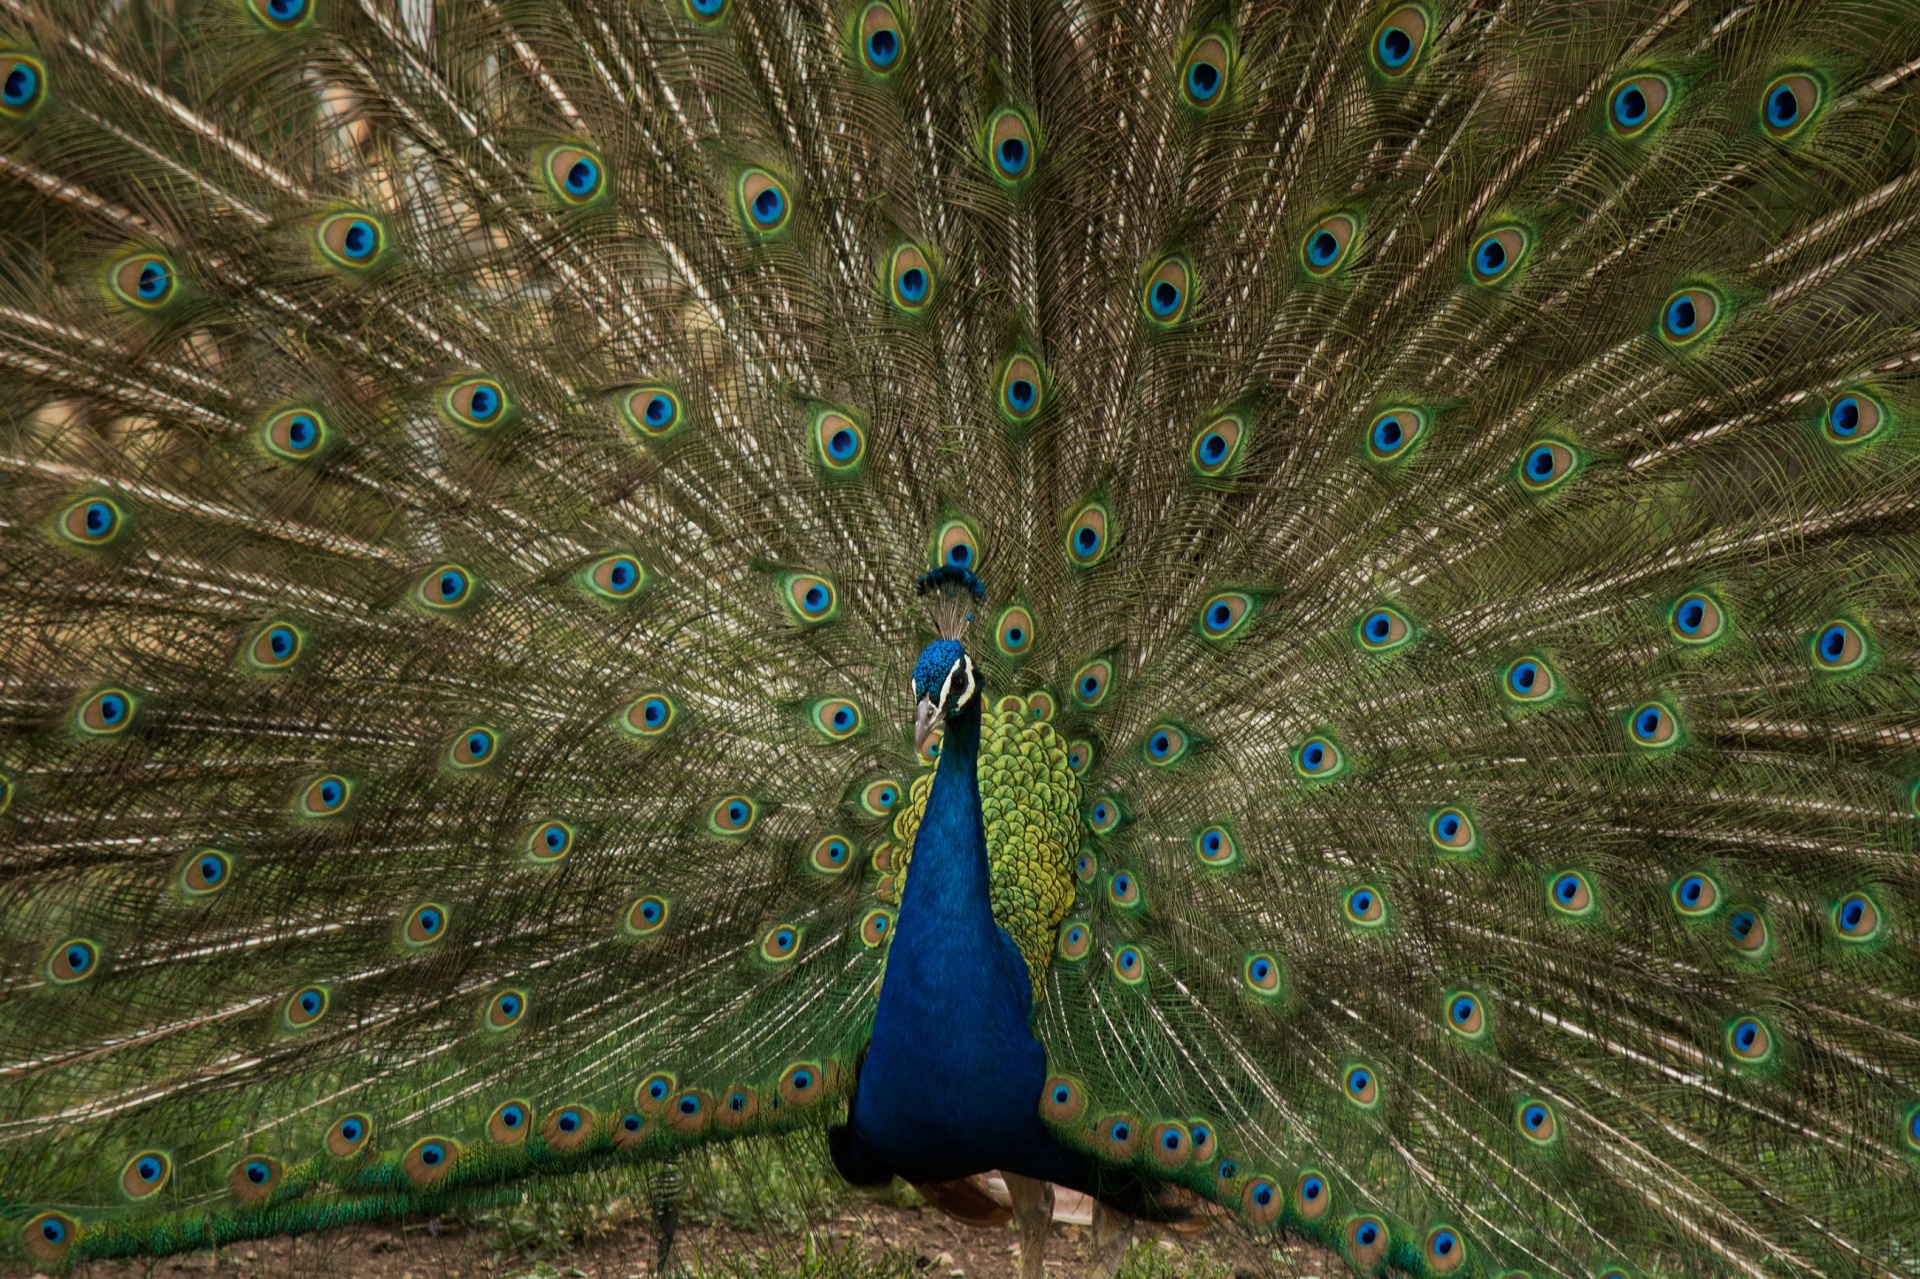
(944, 679)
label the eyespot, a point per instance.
(1124, 889)
(733, 815)
(446, 587)
(352, 239)
(910, 277)
(1076, 940)
(326, 796)
(1010, 146)
(1535, 1120)
(254, 1180)
(1216, 448)
(1913, 1128)
(1085, 867)
(1014, 634)
(1545, 464)
(349, 1136)
(426, 924)
(50, 1234)
(706, 12)
(958, 545)
(23, 84)
(1169, 1144)
(274, 647)
(1788, 104)
(477, 403)
(1091, 681)
(281, 15)
(1129, 965)
(505, 1010)
(654, 1093)
(1317, 758)
(205, 873)
(75, 959)
(737, 1108)
(567, 1128)
(1063, 1100)
(1446, 1250)
(1367, 1241)
(1262, 974)
(1391, 434)
(1749, 1041)
(881, 39)
(616, 577)
(1747, 932)
(429, 1160)
(1856, 918)
(1165, 745)
(1224, 1173)
(1528, 680)
(144, 281)
(1465, 1017)
(645, 916)
(1695, 895)
(837, 718)
(1311, 1195)
(1695, 619)
(1325, 247)
(801, 1084)
(575, 175)
(1022, 390)
(1088, 534)
(1497, 253)
(107, 712)
(1852, 417)
(653, 411)
(832, 855)
(839, 440)
(510, 1123)
(782, 942)
(1397, 41)
(92, 521)
(1365, 906)
(472, 748)
(550, 842)
(1261, 1201)
(306, 1006)
(295, 434)
(1223, 616)
(1838, 646)
(1204, 79)
(1166, 294)
(1215, 846)
(1079, 757)
(1118, 1137)
(1570, 894)
(650, 715)
(1104, 815)
(1382, 630)
(1201, 1135)
(764, 201)
(1688, 316)
(1362, 1086)
(1635, 104)
(1653, 725)
(811, 598)
(879, 798)
(875, 927)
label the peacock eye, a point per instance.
(1365, 906)
(1570, 894)
(881, 39)
(353, 239)
(1318, 758)
(1393, 432)
(1838, 646)
(1215, 846)
(838, 440)
(1022, 390)
(1695, 895)
(782, 942)
(1382, 630)
(105, 713)
(1325, 247)
(504, 1010)
(1528, 680)
(1010, 146)
(811, 598)
(1225, 614)
(1076, 941)
(1653, 725)
(1362, 1086)
(1165, 744)
(575, 175)
(1204, 79)
(92, 521)
(1497, 254)
(1310, 1197)
(23, 84)
(1851, 418)
(1695, 619)
(446, 587)
(652, 412)
(306, 1006)
(281, 15)
(1465, 1015)
(426, 925)
(1788, 104)
(958, 544)
(1689, 315)
(1087, 535)
(1856, 918)
(1262, 974)
(764, 200)
(1398, 40)
(144, 281)
(1637, 103)
(1545, 465)
(1015, 632)
(1749, 1041)
(1166, 294)
(1217, 445)
(911, 277)
(1129, 965)
(706, 12)
(646, 915)
(733, 815)
(1090, 683)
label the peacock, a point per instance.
(1300, 616)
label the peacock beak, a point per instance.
(926, 718)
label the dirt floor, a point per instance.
(868, 1242)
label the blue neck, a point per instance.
(951, 1081)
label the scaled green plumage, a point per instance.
(1452, 466)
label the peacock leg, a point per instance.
(1112, 1232)
(1033, 1209)
(668, 1187)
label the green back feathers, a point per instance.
(1449, 469)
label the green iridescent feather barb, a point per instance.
(1413, 740)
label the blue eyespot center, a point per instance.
(883, 46)
(657, 1090)
(79, 959)
(1213, 447)
(1463, 1009)
(1203, 80)
(1844, 417)
(113, 708)
(1312, 1188)
(689, 1105)
(286, 10)
(913, 284)
(1534, 1116)
(1086, 541)
(1314, 755)
(1492, 257)
(1387, 434)
(1449, 827)
(1322, 248)
(659, 411)
(1366, 1234)
(359, 241)
(513, 1116)
(1540, 462)
(1524, 677)
(1647, 722)
(816, 597)
(1833, 643)
(153, 281)
(1692, 613)
(736, 812)
(452, 585)
(1166, 298)
(1740, 926)
(351, 1129)
(1682, 315)
(1692, 889)
(767, 205)
(1783, 108)
(1567, 889)
(582, 177)
(1358, 1081)
(1013, 155)
(258, 1172)
(1395, 47)
(1062, 1095)
(1015, 637)
(432, 1154)
(569, 1121)
(1020, 394)
(331, 793)
(555, 838)
(841, 445)
(510, 1005)
(301, 431)
(1745, 1034)
(1444, 1243)
(484, 402)
(20, 86)
(1630, 107)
